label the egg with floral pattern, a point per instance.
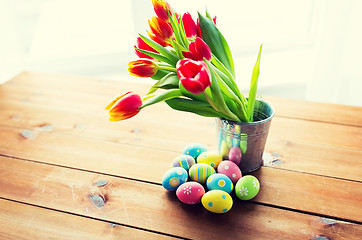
(211, 158)
(217, 201)
(184, 161)
(247, 187)
(190, 192)
(221, 182)
(194, 149)
(200, 172)
(230, 169)
(174, 177)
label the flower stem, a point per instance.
(210, 101)
(167, 68)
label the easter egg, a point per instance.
(190, 192)
(235, 155)
(194, 150)
(247, 187)
(211, 158)
(230, 169)
(174, 177)
(184, 161)
(200, 172)
(221, 182)
(217, 201)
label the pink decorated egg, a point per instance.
(190, 192)
(235, 155)
(230, 169)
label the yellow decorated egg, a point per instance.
(217, 201)
(211, 158)
(199, 172)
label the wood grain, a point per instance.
(150, 207)
(300, 145)
(74, 86)
(21, 221)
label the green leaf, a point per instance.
(160, 74)
(188, 105)
(198, 97)
(253, 87)
(218, 97)
(159, 48)
(169, 94)
(169, 81)
(217, 43)
(156, 56)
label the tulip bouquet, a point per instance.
(193, 68)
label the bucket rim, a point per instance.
(268, 119)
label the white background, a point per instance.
(311, 49)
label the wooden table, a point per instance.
(66, 172)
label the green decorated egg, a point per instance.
(199, 172)
(247, 187)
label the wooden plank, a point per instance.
(75, 85)
(290, 139)
(150, 207)
(21, 221)
(150, 166)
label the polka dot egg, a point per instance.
(230, 169)
(235, 155)
(173, 178)
(217, 201)
(219, 181)
(200, 172)
(211, 158)
(190, 192)
(194, 150)
(184, 161)
(247, 187)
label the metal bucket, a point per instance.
(248, 139)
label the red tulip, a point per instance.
(161, 8)
(142, 68)
(189, 25)
(124, 106)
(144, 46)
(160, 29)
(194, 75)
(198, 50)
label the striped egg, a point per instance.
(200, 172)
(184, 161)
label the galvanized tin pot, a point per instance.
(247, 138)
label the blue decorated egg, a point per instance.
(200, 172)
(221, 182)
(194, 150)
(184, 161)
(174, 177)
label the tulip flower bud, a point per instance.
(140, 44)
(198, 50)
(142, 68)
(161, 8)
(124, 106)
(160, 29)
(194, 75)
(189, 25)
